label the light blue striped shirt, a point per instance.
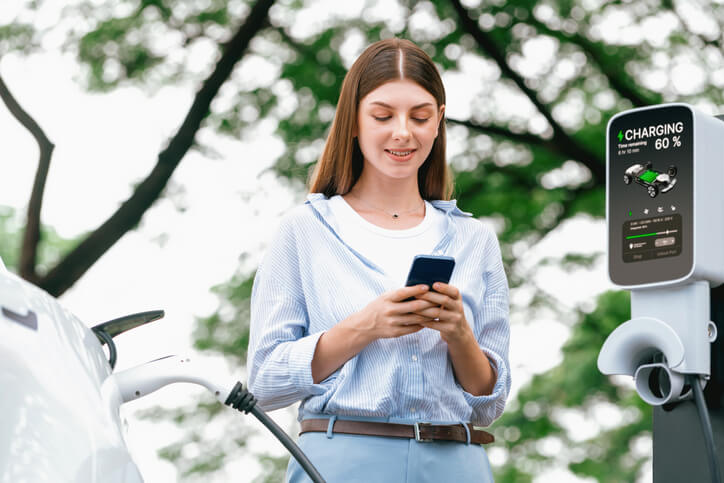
(310, 280)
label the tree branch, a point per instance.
(31, 238)
(499, 131)
(612, 72)
(567, 204)
(77, 262)
(567, 144)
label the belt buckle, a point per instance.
(417, 433)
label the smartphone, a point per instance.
(429, 269)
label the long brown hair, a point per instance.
(340, 165)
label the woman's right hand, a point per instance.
(391, 314)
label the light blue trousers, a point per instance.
(348, 458)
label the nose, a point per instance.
(401, 130)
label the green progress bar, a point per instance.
(641, 236)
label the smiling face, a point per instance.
(397, 124)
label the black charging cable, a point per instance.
(693, 381)
(242, 400)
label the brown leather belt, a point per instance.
(418, 431)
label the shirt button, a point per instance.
(414, 358)
(412, 410)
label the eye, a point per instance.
(420, 120)
(382, 118)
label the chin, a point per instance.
(396, 170)
(401, 176)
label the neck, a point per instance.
(391, 194)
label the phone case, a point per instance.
(428, 269)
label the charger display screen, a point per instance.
(650, 163)
(651, 238)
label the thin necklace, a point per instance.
(394, 214)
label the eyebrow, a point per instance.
(418, 106)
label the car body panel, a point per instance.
(56, 425)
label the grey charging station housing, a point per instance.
(664, 214)
(665, 186)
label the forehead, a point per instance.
(401, 93)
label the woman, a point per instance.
(332, 324)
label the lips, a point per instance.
(400, 155)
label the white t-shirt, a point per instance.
(392, 250)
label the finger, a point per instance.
(413, 306)
(408, 329)
(452, 305)
(411, 318)
(430, 313)
(434, 297)
(446, 289)
(446, 315)
(441, 300)
(441, 315)
(404, 293)
(439, 325)
(444, 300)
(431, 324)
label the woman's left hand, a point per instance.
(449, 314)
(470, 364)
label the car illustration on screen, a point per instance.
(654, 181)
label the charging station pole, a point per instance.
(679, 453)
(664, 205)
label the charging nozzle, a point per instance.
(658, 385)
(241, 399)
(146, 378)
(142, 380)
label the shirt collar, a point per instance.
(319, 202)
(450, 207)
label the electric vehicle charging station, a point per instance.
(665, 220)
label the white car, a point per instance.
(55, 422)
(654, 181)
(60, 399)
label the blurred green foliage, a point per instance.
(17, 37)
(227, 329)
(11, 235)
(576, 383)
(52, 248)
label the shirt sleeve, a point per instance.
(493, 334)
(280, 347)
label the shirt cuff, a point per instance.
(301, 354)
(500, 389)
